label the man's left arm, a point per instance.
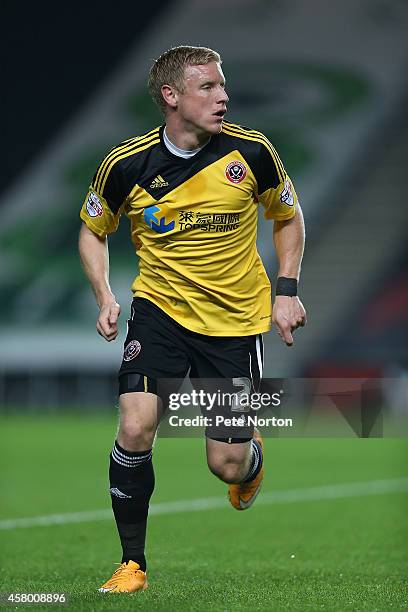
(288, 312)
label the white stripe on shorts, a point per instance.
(259, 355)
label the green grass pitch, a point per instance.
(348, 553)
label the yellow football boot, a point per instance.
(128, 578)
(243, 494)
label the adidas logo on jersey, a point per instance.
(158, 182)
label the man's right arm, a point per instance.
(94, 255)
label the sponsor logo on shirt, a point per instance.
(209, 222)
(94, 206)
(156, 220)
(235, 172)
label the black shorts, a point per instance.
(158, 348)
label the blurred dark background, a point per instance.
(57, 55)
(329, 88)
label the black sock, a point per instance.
(131, 478)
(256, 461)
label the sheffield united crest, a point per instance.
(235, 172)
(132, 350)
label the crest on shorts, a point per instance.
(94, 206)
(132, 350)
(286, 197)
(235, 172)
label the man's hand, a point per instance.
(288, 314)
(107, 323)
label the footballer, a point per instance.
(191, 189)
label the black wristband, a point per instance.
(286, 286)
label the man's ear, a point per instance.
(170, 95)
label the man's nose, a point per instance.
(223, 96)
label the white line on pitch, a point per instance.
(289, 496)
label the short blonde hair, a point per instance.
(169, 69)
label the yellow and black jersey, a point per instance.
(194, 224)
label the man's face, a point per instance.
(202, 104)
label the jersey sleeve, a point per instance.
(275, 188)
(104, 201)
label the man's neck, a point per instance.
(184, 138)
(176, 150)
